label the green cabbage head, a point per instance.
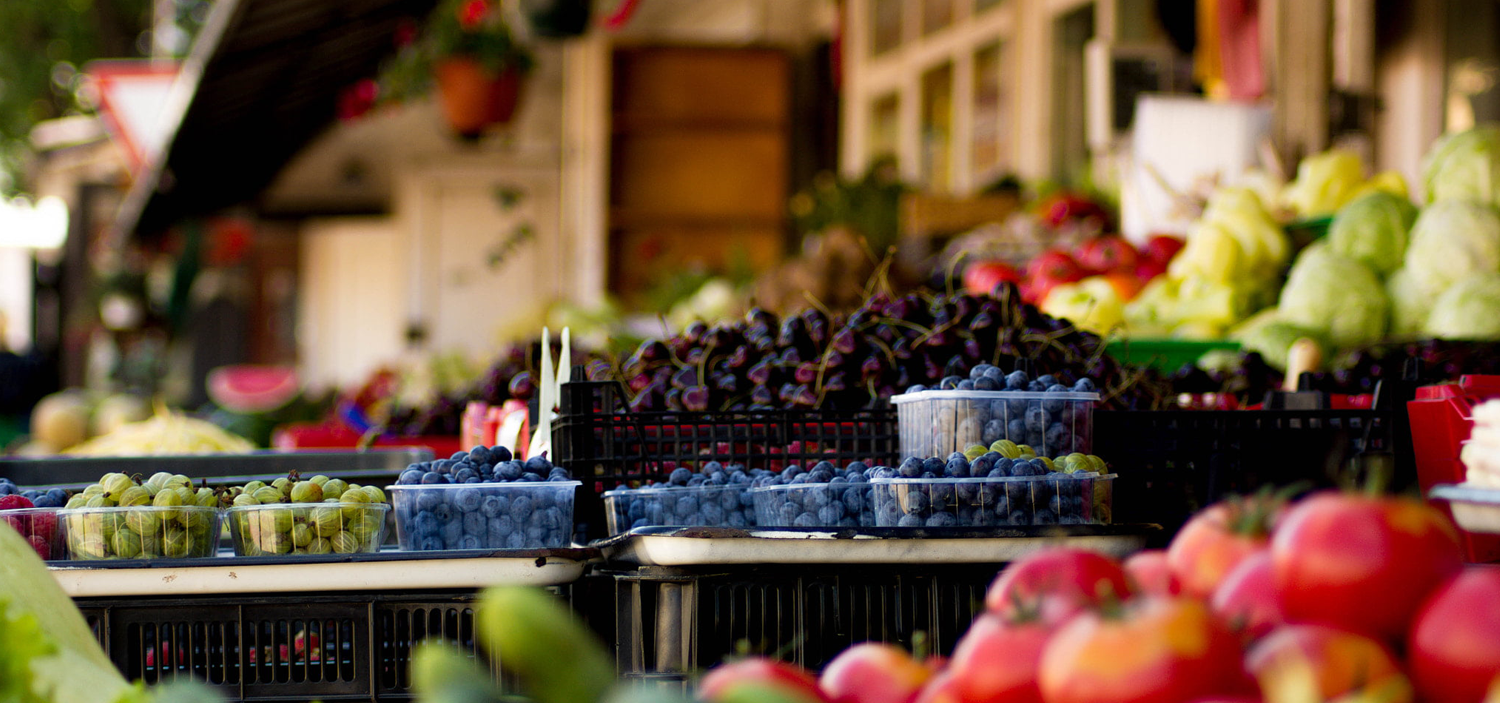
(1336, 297)
(1452, 240)
(1464, 166)
(1373, 230)
(1411, 301)
(1469, 309)
(1272, 337)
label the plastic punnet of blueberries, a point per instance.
(484, 499)
(716, 495)
(996, 488)
(821, 496)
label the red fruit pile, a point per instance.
(39, 527)
(1338, 598)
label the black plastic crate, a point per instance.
(671, 623)
(1172, 463)
(347, 647)
(606, 446)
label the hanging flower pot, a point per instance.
(474, 98)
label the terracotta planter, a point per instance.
(472, 98)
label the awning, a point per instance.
(262, 80)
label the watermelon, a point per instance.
(251, 389)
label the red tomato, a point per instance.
(1148, 269)
(1105, 254)
(996, 662)
(1161, 650)
(1454, 645)
(940, 689)
(1149, 573)
(761, 672)
(1060, 581)
(1217, 539)
(1053, 268)
(1321, 663)
(873, 673)
(1361, 563)
(981, 277)
(1162, 247)
(1247, 598)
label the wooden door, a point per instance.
(699, 162)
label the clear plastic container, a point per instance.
(1055, 499)
(686, 506)
(40, 527)
(141, 532)
(521, 515)
(938, 423)
(815, 505)
(286, 529)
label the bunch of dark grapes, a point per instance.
(856, 360)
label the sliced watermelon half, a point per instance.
(251, 389)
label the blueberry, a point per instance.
(515, 540)
(791, 472)
(467, 499)
(994, 373)
(986, 383)
(521, 507)
(1017, 380)
(719, 478)
(978, 371)
(538, 465)
(1084, 385)
(549, 519)
(499, 454)
(888, 472)
(475, 524)
(1044, 517)
(856, 466)
(458, 456)
(1037, 419)
(713, 514)
(957, 467)
(425, 523)
(806, 520)
(480, 454)
(787, 513)
(911, 521)
(1056, 438)
(820, 476)
(853, 499)
(1015, 429)
(696, 481)
(452, 532)
(1036, 386)
(509, 470)
(815, 499)
(1005, 465)
(680, 477)
(430, 543)
(911, 468)
(410, 477)
(942, 520)
(949, 383)
(433, 477)
(933, 466)
(531, 477)
(471, 542)
(916, 388)
(981, 466)
(917, 502)
(964, 385)
(443, 513)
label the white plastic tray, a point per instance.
(709, 546)
(384, 572)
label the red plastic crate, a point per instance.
(1440, 424)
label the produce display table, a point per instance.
(387, 571)
(685, 598)
(704, 546)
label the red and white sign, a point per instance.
(132, 96)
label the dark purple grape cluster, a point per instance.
(816, 360)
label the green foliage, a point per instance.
(869, 205)
(473, 28)
(43, 45)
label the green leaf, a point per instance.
(21, 642)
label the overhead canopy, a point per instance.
(262, 80)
